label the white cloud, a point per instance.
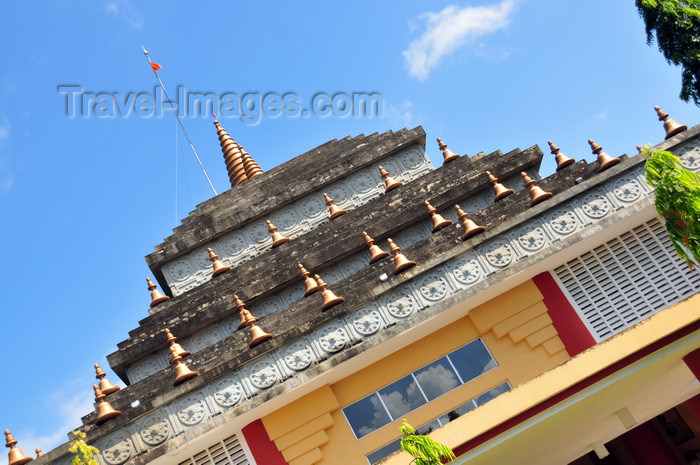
(71, 404)
(401, 115)
(6, 173)
(124, 10)
(450, 29)
(4, 128)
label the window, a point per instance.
(627, 279)
(453, 414)
(415, 389)
(226, 452)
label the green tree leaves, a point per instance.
(84, 453)
(425, 451)
(676, 24)
(677, 202)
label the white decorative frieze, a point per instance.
(690, 155)
(429, 288)
(240, 246)
(396, 305)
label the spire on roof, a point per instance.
(329, 297)
(175, 348)
(447, 154)
(605, 161)
(499, 190)
(157, 297)
(334, 210)
(469, 227)
(277, 237)
(671, 126)
(257, 334)
(106, 385)
(562, 160)
(309, 282)
(537, 194)
(389, 182)
(400, 261)
(217, 265)
(232, 156)
(15, 456)
(252, 169)
(375, 252)
(105, 411)
(439, 222)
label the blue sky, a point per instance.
(84, 199)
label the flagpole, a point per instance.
(175, 111)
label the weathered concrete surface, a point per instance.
(298, 319)
(335, 240)
(278, 187)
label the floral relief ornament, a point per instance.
(263, 375)
(367, 321)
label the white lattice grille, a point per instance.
(627, 279)
(226, 452)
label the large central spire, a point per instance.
(239, 164)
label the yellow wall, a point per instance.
(514, 326)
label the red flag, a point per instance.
(155, 67)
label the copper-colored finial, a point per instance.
(257, 334)
(562, 160)
(182, 371)
(217, 265)
(605, 161)
(175, 348)
(401, 263)
(375, 252)
(232, 156)
(389, 182)
(105, 411)
(671, 126)
(447, 154)
(499, 190)
(106, 385)
(439, 221)
(469, 227)
(252, 169)
(15, 456)
(309, 282)
(329, 298)
(334, 210)
(246, 318)
(277, 237)
(537, 194)
(157, 297)
(39, 452)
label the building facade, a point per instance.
(562, 329)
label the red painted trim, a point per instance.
(264, 450)
(604, 373)
(694, 404)
(692, 360)
(647, 447)
(572, 332)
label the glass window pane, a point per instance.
(402, 396)
(385, 451)
(457, 412)
(366, 415)
(494, 392)
(472, 360)
(428, 427)
(437, 378)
